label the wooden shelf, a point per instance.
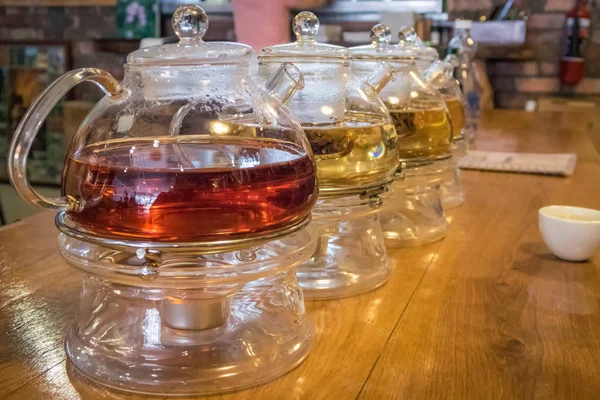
(499, 52)
(118, 46)
(506, 53)
(27, 68)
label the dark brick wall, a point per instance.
(517, 81)
(78, 25)
(514, 82)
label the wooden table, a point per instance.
(485, 313)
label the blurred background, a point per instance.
(520, 46)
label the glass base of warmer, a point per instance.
(350, 258)
(122, 339)
(451, 190)
(238, 325)
(415, 214)
(451, 187)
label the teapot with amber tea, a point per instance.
(347, 125)
(441, 75)
(186, 202)
(356, 151)
(417, 108)
(447, 85)
(414, 215)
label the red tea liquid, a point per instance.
(190, 188)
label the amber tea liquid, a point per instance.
(422, 133)
(190, 188)
(457, 115)
(359, 152)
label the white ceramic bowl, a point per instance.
(571, 233)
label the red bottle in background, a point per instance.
(578, 26)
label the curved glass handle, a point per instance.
(31, 123)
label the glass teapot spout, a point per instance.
(286, 81)
(383, 73)
(452, 60)
(439, 73)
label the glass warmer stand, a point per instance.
(189, 323)
(350, 257)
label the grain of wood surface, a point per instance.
(487, 313)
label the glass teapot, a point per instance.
(347, 125)
(417, 109)
(184, 149)
(447, 85)
(454, 98)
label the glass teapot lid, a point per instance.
(305, 27)
(190, 24)
(409, 40)
(325, 67)
(380, 48)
